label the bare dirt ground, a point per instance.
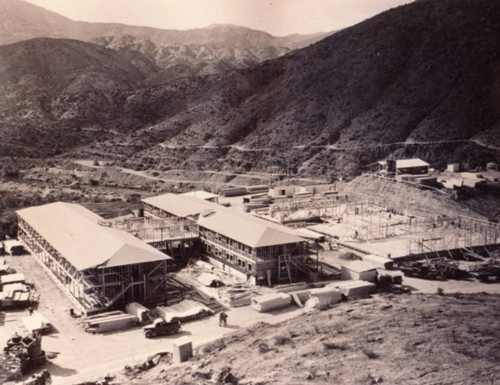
(84, 356)
(295, 347)
(411, 339)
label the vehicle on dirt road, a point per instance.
(161, 328)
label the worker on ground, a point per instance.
(222, 319)
(30, 309)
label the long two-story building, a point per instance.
(261, 251)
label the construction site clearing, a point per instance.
(203, 258)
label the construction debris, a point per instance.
(22, 354)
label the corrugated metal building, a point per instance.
(98, 266)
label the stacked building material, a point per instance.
(270, 302)
(183, 311)
(16, 296)
(291, 287)
(325, 296)
(138, 310)
(354, 288)
(110, 322)
(12, 278)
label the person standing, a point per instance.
(222, 319)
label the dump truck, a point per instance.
(161, 328)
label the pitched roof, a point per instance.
(248, 230)
(200, 194)
(407, 163)
(74, 232)
(416, 162)
(180, 205)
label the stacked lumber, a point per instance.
(236, 295)
(321, 297)
(270, 302)
(12, 278)
(16, 296)
(186, 310)
(110, 321)
(177, 290)
(138, 310)
(354, 288)
(291, 287)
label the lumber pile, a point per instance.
(138, 310)
(186, 310)
(270, 302)
(17, 296)
(354, 288)
(111, 321)
(322, 297)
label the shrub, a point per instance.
(370, 354)
(281, 340)
(330, 345)
(213, 346)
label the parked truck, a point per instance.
(159, 327)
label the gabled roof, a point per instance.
(408, 163)
(74, 232)
(200, 194)
(248, 230)
(180, 205)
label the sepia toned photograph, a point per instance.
(249, 192)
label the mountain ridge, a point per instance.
(404, 76)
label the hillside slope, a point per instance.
(217, 48)
(405, 340)
(419, 80)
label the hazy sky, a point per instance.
(278, 17)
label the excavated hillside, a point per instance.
(418, 80)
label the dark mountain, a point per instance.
(217, 48)
(425, 72)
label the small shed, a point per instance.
(453, 167)
(282, 191)
(359, 270)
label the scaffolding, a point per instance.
(98, 289)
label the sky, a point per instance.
(278, 17)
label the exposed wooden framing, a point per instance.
(94, 289)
